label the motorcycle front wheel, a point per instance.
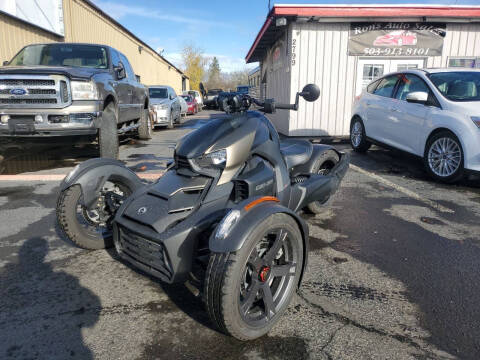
(90, 228)
(247, 291)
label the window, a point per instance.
(468, 62)
(372, 71)
(410, 83)
(128, 67)
(458, 85)
(158, 93)
(115, 57)
(402, 67)
(372, 86)
(74, 55)
(386, 86)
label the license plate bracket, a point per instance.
(21, 126)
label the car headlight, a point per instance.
(476, 120)
(82, 90)
(216, 159)
(161, 107)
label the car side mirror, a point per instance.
(5, 63)
(171, 97)
(310, 92)
(120, 71)
(137, 77)
(417, 97)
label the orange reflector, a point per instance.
(259, 201)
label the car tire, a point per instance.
(444, 166)
(224, 280)
(358, 137)
(108, 133)
(325, 162)
(145, 126)
(76, 225)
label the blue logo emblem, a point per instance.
(18, 91)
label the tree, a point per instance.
(194, 64)
(214, 74)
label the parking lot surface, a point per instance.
(393, 272)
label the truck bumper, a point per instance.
(78, 119)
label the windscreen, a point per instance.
(62, 55)
(187, 98)
(459, 85)
(158, 93)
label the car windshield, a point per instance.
(158, 93)
(187, 97)
(458, 85)
(62, 55)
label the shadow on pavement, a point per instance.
(43, 311)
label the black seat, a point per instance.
(295, 152)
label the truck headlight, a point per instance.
(216, 159)
(82, 90)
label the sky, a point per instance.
(225, 29)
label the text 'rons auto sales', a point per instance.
(396, 39)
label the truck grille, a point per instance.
(143, 253)
(34, 91)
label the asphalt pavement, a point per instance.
(393, 271)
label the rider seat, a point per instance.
(296, 151)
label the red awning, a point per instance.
(354, 11)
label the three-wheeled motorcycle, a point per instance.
(224, 216)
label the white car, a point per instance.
(165, 106)
(197, 97)
(432, 113)
(183, 106)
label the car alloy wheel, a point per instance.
(444, 157)
(356, 135)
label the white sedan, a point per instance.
(433, 113)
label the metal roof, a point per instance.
(269, 33)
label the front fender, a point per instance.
(249, 220)
(92, 174)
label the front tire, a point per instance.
(88, 228)
(443, 158)
(247, 291)
(358, 137)
(145, 126)
(325, 162)
(108, 134)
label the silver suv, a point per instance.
(165, 105)
(83, 91)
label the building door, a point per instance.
(373, 68)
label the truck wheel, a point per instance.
(108, 134)
(89, 228)
(247, 291)
(145, 126)
(325, 162)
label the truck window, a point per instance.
(128, 67)
(115, 57)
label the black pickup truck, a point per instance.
(81, 91)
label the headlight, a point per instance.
(476, 120)
(82, 90)
(161, 107)
(226, 225)
(216, 159)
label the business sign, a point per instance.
(46, 14)
(396, 39)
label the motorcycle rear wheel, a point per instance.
(246, 292)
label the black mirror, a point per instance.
(202, 89)
(120, 71)
(5, 63)
(137, 77)
(310, 92)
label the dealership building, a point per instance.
(25, 22)
(342, 48)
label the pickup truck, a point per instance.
(79, 92)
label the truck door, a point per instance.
(121, 87)
(132, 110)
